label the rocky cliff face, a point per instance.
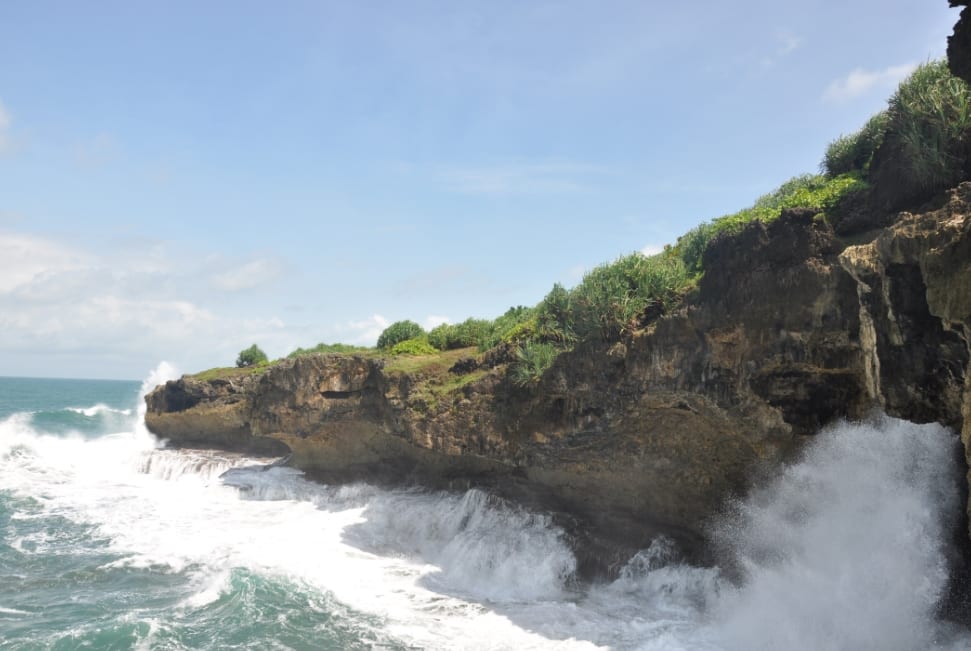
(790, 328)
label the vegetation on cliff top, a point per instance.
(328, 348)
(252, 356)
(919, 145)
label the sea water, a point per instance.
(108, 540)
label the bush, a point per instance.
(399, 331)
(470, 332)
(853, 153)
(555, 317)
(251, 356)
(416, 346)
(499, 328)
(439, 336)
(327, 348)
(928, 132)
(527, 330)
(532, 360)
(691, 246)
(611, 299)
(806, 191)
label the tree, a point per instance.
(399, 331)
(251, 356)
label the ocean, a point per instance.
(108, 540)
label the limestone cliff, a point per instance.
(791, 328)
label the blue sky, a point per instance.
(179, 180)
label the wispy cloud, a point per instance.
(549, 177)
(434, 320)
(362, 332)
(60, 303)
(788, 43)
(25, 258)
(783, 44)
(246, 276)
(861, 81)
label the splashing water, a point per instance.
(846, 549)
(112, 540)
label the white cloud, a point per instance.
(71, 311)
(788, 43)
(434, 320)
(652, 249)
(25, 258)
(168, 319)
(784, 43)
(364, 332)
(247, 276)
(860, 81)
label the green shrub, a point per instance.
(500, 329)
(928, 134)
(399, 331)
(611, 299)
(439, 336)
(415, 346)
(555, 317)
(470, 332)
(691, 246)
(854, 152)
(523, 331)
(807, 191)
(251, 356)
(327, 348)
(532, 360)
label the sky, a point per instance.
(179, 180)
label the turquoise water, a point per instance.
(110, 541)
(66, 583)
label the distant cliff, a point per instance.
(791, 328)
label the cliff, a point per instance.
(791, 327)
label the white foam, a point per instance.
(99, 409)
(846, 549)
(843, 551)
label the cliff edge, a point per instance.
(791, 327)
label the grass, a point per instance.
(231, 372)
(816, 191)
(433, 381)
(454, 382)
(329, 348)
(436, 363)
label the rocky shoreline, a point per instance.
(793, 326)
